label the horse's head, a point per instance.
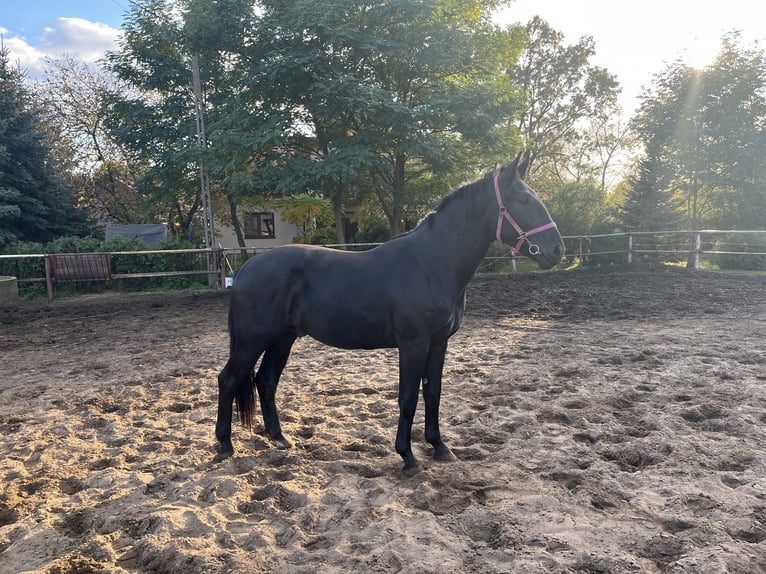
(523, 222)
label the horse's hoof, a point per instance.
(223, 454)
(444, 454)
(282, 443)
(411, 469)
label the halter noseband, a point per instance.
(534, 249)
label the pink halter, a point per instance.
(534, 249)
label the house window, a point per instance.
(259, 225)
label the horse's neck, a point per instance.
(460, 234)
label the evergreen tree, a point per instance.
(648, 205)
(35, 204)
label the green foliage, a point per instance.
(753, 245)
(321, 236)
(611, 249)
(35, 203)
(365, 99)
(648, 205)
(154, 121)
(561, 89)
(22, 268)
(129, 256)
(75, 245)
(577, 208)
(704, 136)
(565, 127)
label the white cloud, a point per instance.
(78, 38)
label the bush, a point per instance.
(127, 263)
(23, 268)
(612, 250)
(750, 246)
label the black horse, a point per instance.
(407, 293)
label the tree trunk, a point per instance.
(693, 223)
(396, 217)
(337, 207)
(235, 223)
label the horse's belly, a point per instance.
(354, 342)
(347, 331)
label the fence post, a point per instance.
(579, 253)
(697, 249)
(48, 278)
(630, 248)
(222, 267)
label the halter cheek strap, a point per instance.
(503, 214)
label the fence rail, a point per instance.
(729, 249)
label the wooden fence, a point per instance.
(688, 247)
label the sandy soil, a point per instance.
(605, 422)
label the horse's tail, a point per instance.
(246, 390)
(245, 399)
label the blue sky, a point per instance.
(634, 39)
(34, 29)
(31, 16)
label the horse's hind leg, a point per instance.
(235, 381)
(266, 380)
(432, 396)
(230, 381)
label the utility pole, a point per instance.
(207, 208)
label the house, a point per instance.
(262, 228)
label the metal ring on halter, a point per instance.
(534, 249)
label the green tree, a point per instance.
(154, 120)
(35, 203)
(648, 205)
(735, 109)
(705, 130)
(381, 96)
(567, 126)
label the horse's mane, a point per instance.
(463, 194)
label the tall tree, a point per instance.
(736, 111)
(155, 121)
(74, 93)
(381, 96)
(35, 203)
(648, 204)
(705, 128)
(561, 89)
(567, 126)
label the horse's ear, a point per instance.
(521, 169)
(515, 163)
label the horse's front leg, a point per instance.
(412, 358)
(432, 390)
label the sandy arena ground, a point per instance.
(604, 421)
